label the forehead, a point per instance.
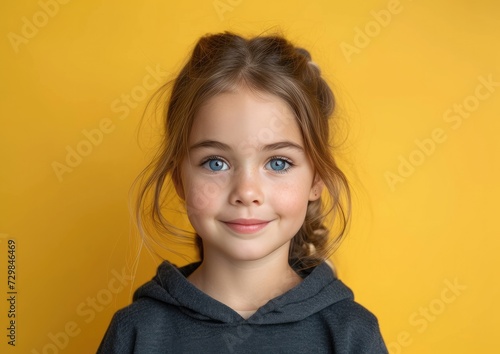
(245, 115)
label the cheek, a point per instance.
(203, 194)
(291, 199)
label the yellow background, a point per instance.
(435, 227)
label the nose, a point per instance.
(246, 189)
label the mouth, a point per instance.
(246, 226)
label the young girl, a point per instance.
(248, 152)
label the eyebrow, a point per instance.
(224, 147)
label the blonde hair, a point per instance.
(269, 64)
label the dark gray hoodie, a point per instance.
(170, 315)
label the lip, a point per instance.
(246, 226)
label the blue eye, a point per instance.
(215, 164)
(279, 165)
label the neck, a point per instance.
(244, 286)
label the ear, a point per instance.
(176, 179)
(316, 189)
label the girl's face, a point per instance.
(247, 179)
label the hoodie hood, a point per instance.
(319, 289)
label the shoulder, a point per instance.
(352, 312)
(142, 312)
(354, 328)
(131, 324)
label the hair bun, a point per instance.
(305, 53)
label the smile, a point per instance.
(246, 226)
